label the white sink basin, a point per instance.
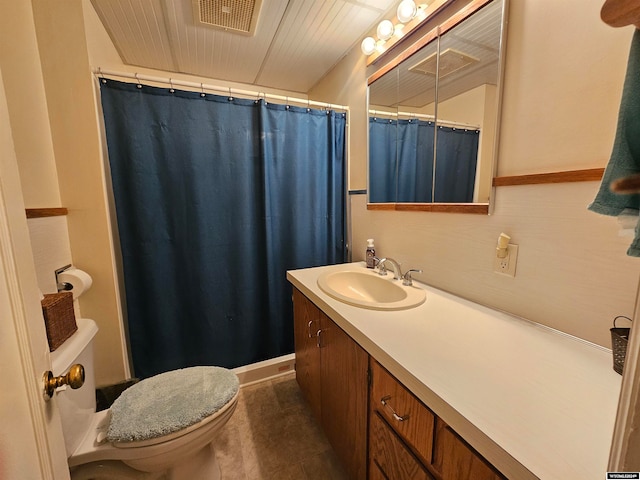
(367, 289)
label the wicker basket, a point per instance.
(619, 340)
(59, 318)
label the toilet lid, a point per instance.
(171, 401)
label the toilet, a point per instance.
(160, 428)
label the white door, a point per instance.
(31, 442)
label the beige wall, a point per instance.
(27, 105)
(46, 86)
(69, 90)
(563, 80)
(347, 85)
(468, 107)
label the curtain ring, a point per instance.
(171, 90)
(308, 105)
(230, 96)
(202, 94)
(286, 103)
(100, 76)
(139, 85)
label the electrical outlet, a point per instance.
(507, 265)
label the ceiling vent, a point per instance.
(234, 16)
(450, 61)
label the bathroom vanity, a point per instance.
(450, 389)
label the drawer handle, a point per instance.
(318, 339)
(309, 328)
(385, 403)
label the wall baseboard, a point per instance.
(265, 370)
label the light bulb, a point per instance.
(385, 30)
(368, 45)
(406, 11)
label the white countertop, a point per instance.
(533, 401)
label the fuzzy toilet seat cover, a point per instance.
(169, 402)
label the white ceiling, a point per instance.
(295, 44)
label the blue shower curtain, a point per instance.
(456, 162)
(415, 161)
(401, 165)
(383, 134)
(215, 199)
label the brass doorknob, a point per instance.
(74, 378)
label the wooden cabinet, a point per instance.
(455, 460)
(389, 456)
(305, 329)
(412, 421)
(332, 372)
(407, 441)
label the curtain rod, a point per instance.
(204, 86)
(382, 113)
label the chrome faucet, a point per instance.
(407, 281)
(382, 270)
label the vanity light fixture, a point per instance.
(406, 11)
(385, 30)
(368, 45)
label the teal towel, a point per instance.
(625, 157)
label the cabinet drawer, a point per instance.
(389, 458)
(455, 460)
(403, 411)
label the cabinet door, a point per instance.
(456, 460)
(344, 368)
(388, 455)
(409, 418)
(306, 323)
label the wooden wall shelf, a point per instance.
(46, 212)
(568, 176)
(477, 208)
(587, 175)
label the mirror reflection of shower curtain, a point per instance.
(456, 164)
(415, 161)
(401, 154)
(215, 199)
(383, 134)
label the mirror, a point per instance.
(433, 115)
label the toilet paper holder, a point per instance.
(62, 286)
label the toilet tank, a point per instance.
(76, 407)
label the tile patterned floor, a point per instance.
(273, 435)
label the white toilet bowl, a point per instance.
(138, 438)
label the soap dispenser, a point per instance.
(371, 254)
